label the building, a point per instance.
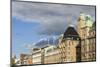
(92, 42)
(85, 23)
(13, 60)
(18, 62)
(51, 54)
(70, 46)
(36, 56)
(76, 44)
(46, 55)
(26, 59)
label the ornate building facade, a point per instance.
(86, 30)
(70, 46)
(46, 55)
(37, 56)
(92, 42)
(51, 54)
(76, 44)
(26, 59)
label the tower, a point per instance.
(84, 25)
(69, 46)
(81, 24)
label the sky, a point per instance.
(33, 23)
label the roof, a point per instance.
(88, 20)
(35, 49)
(70, 32)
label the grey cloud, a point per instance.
(53, 18)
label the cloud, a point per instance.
(47, 41)
(53, 18)
(52, 40)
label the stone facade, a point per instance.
(76, 44)
(25, 59)
(51, 55)
(70, 46)
(36, 56)
(87, 34)
(80, 47)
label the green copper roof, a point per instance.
(89, 20)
